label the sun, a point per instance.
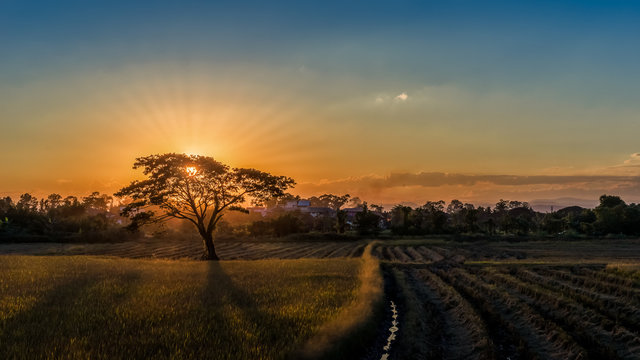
(191, 170)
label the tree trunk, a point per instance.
(209, 248)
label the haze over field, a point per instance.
(388, 101)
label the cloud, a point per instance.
(633, 160)
(476, 188)
(402, 97)
(435, 179)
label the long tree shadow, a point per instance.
(253, 329)
(74, 316)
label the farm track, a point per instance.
(516, 309)
(193, 249)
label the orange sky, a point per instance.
(75, 147)
(343, 101)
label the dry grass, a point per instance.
(105, 308)
(352, 318)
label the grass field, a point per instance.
(88, 307)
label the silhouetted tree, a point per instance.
(336, 202)
(97, 201)
(610, 215)
(435, 217)
(400, 223)
(367, 221)
(197, 189)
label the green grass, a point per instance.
(88, 307)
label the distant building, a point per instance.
(303, 206)
(319, 211)
(297, 205)
(351, 214)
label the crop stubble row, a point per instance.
(486, 312)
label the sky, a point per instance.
(391, 101)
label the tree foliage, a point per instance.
(197, 189)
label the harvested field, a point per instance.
(527, 300)
(531, 300)
(173, 249)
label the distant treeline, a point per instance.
(611, 217)
(507, 218)
(93, 218)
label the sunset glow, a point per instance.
(191, 170)
(339, 97)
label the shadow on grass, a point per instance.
(258, 330)
(72, 318)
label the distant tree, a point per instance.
(456, 215)
(400, 221)
(53, 201)
(553, 223)
(434, 217)
(376, 208)
(614, 216)
(469, 215)
(355, 201)
(281, 200)
(27, 203)
(367, 221)
(454, 206)
(609, 201)
(336, 202)
(197, 189)
(70, 200)
(288, 223)
(97, 201)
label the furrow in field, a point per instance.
(320, 250)
(235, 251)
(463, 334)
(400, 254)
(357, 251)
(300, 252)
(335, 252)
(429, 254)
(167, 251)
(276, 251)
(532, 334)
(388, 254)
(415, 256)
(608, 305)
(342, 251)
(131, 251)
(254, 251)
(598, 280)
(602, 338)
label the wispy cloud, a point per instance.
(401, 97)
(435, 179)
(633, 160)
(477, 188)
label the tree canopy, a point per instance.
(197, 189)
